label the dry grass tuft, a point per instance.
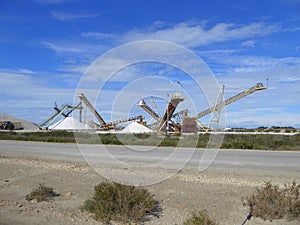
(271, 202)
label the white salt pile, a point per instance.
(68, 123)
(135, 128)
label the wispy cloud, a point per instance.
(250, 43)
(262, 64)
(247, 118)
(63, 48)
(232, 62)
(195, 35)
(50, 1)
(30, 96)
(18, 70)
(67, 16)
(74, 47)
(99, 35)
(290, 2)
(76, 56)
(187, 34)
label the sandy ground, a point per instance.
(219, 193)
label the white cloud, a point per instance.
(99, 35)
(18, 70)
(50, 1)
(194, 35)
(290, 2)
(289, 79)
(67, 16)
(254, 118)
(74, 68)
(231, 62)
(250, 64)
(188, 34)
(29, 96)
(78, 48)
(283, 75)
(64, 47)
(249, 43)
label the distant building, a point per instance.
(189, 125)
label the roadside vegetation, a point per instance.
(57, 136)
(262, 141)
(231, 141)
(200, 218)
(41, 193)
(271, 202)
(121, 203)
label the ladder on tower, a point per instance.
(215, 117)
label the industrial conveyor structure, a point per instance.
(111, 124)
(181, 113)
(177, 119)
(191, 124)
(150, 111)
(170, 121)
(65, 111)
(103, 125)
(161, 122)
(257, 87)
(83, 98)
(175, 100)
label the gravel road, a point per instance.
(278, 162)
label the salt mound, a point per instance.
(27, 125)
(68, 123)
(135, 128)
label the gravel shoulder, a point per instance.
(217, 192)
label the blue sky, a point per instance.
(47, 45)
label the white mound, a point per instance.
(68, 123)
(27, 125)
(135, 128)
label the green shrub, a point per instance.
(169, 143)
(42, 193)
(271, 202)
(200, 218)
(121, 203)
(142, 136)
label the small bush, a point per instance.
(121, 203)
(200, 218)
(42, 193)
(271, 202)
